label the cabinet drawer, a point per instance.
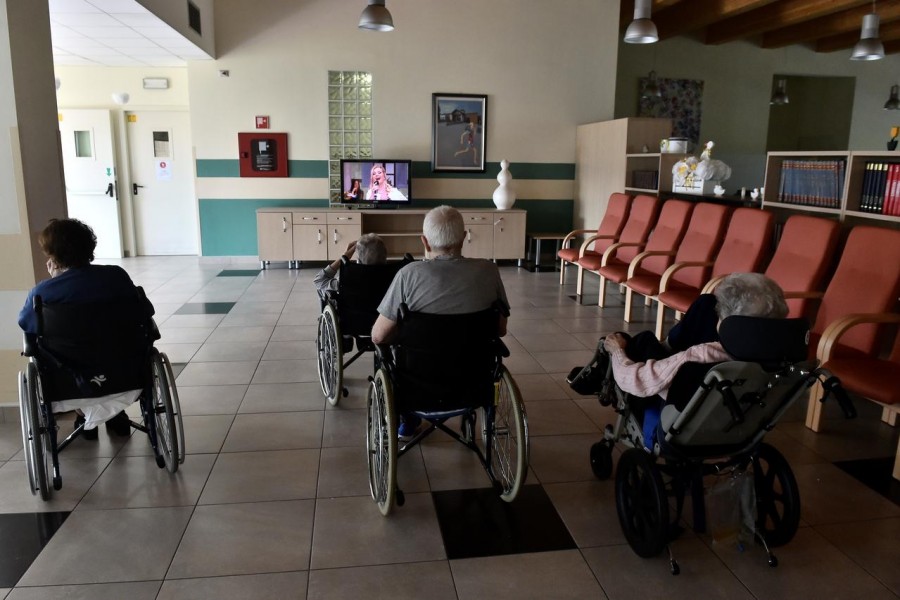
(344, 218)
(309, 218)
(477, 218)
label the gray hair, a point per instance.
(444, 228)
(750, 295)
(370, 250)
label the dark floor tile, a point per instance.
(875, 473)
(478, 523)
(239, 273)
(23, 537)
(205, 308)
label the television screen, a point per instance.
(372, 181)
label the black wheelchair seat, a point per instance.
(360, 290)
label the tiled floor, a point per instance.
(272, 501)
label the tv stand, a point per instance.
(295, 235)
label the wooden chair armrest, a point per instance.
(809, 295)
(668, 273)
(591, 240)
(637, 260)
(612, 250)
(840, 326)
(571, 234)
(712, 284)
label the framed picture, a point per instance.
(458, 132)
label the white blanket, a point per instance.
(98, 410)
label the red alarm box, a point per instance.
(263, 154)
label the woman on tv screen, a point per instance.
(380, 188)
(354, 193)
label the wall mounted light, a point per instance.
(156, 83)
(893, 102)
(376, 17)
(642, 30)
(779, 96)
(120, 98)
(869, 47)
(651, 88)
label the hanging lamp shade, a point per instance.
(376, 17)
(780, 97)
(893, 102)
(869, 47)
(641, 30)
(651, 89)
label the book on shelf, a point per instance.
(645, 179)
(880, 188)
(818, 183)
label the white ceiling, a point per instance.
(116, 33)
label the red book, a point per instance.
(888, 188)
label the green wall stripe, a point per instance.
(209, 167)
(226, 167)
(228, 227)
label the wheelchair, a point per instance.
(94, 351)
(347, 315)
(713, 424)
(441, 367)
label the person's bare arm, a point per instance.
(384, 330)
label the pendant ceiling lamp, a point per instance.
(779, 96)
(642, 30)
(893, 102)
(869, 47)
(376, 17)
(651, 89)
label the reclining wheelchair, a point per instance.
(85, 355)
(441, 367)
(713, 423)
(347, 315)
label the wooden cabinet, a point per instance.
(275, 233)
(296, 235)
(848, 205)
(606, 156)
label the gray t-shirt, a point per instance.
(445, 285)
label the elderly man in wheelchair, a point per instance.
(703, 412)
(350, 293)
(439, 356)
(89, 336)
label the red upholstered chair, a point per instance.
(656, 255)
(607, 233)
(701, 240)
(641, 219)
(802, 259)
(861, 295)
(746, 245)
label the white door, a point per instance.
(162, 175)
(90, 172)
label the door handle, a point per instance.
(134, 188)
(109, 191)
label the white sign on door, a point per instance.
(164, 170)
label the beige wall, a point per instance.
(737, 87)
(92, 87)
(176, 15)
(546, 67)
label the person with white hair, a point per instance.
(369, 249)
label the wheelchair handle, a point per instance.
(832, 385)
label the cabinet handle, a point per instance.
(345, 218)
(469, 236)
(318, 236)
(335, 236)
(283, 224)
(500, 223)
(310, 218)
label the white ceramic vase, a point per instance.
(504, 195)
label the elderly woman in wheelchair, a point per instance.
(704, 412)
(89, 336)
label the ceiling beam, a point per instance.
(830, 25)
(691, 16)
(886, 33)
(782, 13)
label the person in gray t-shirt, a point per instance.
(445, 283)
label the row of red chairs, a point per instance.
(674, 251)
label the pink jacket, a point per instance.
(655, 376)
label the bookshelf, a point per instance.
(850, 204)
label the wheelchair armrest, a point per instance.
(502, 350)
(29, 345)
(154, 330)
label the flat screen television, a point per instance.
(376, 182)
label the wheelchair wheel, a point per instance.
(641, 503)
(777, 496)
(381, 442)
(330, 355)
(509, 438)
(35, 435)
(601, 460)
(167, 419)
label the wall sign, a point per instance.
(263, 154)
(262, 122)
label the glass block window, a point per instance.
(349, 123)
